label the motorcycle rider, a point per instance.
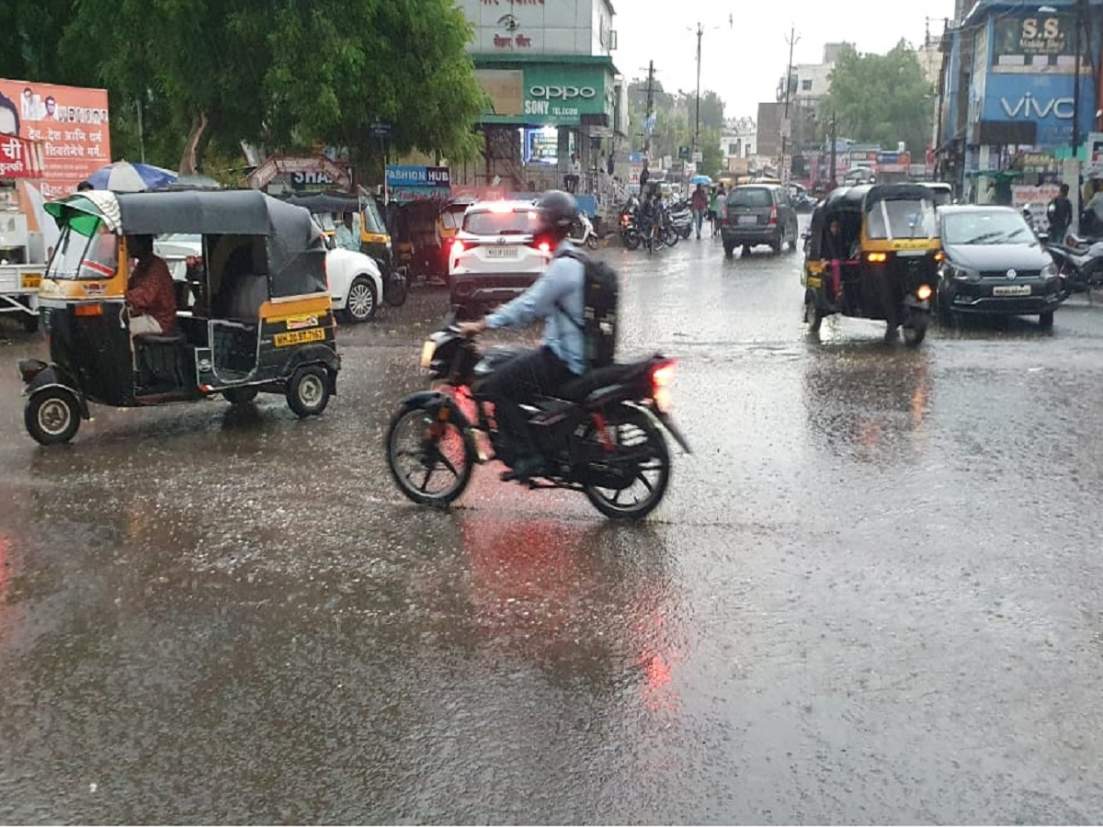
(559, 291)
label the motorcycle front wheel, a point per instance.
(429, 458)
(631, 239)
(640, 449)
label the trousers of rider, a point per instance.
(836, 279)
(522, 379)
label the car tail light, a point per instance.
(544, 247)
(457, 248)
(773, 214)
(662, 377)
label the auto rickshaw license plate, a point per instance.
(298, 337)
(31, 281)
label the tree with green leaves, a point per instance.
(881, 99)
(194, 78)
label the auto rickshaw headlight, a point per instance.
(427, 351)
(877, 258)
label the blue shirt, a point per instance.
(563, 283)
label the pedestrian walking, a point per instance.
(700, 204)
(715, 207)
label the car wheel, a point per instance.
(729, 249)
(362, 301)
(746, 250)
(1045, 320)
(308, 391)
(52, 416)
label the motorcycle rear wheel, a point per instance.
(421, 448)
(632, 429)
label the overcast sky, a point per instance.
(743, 63)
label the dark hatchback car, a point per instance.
(994, 265)
(759, 214)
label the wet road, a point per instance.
(871, 595)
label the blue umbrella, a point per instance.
(123, 176)
(701, 179)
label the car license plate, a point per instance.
(31, 281)
(1012, 290)
(501, 252)
(748, 219)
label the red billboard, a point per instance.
(68, 125)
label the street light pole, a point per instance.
(834, 182)
(650, 108)
(697, 124)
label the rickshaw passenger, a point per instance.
(150, 294)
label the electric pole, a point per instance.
(1075, 185)
(697, 124)
(650, 108)
(834, 182)
(786, 127)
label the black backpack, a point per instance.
(600, 299)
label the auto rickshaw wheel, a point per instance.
(395, 288)
(52, 416)
(240, 396)
(308, 391)
(915, 331)
(813, 317)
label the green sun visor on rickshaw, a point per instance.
(84, 212)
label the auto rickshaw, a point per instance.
(257, 317)
(375, 241)
(883, 264)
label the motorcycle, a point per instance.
(601, 434)
(582, 233)
(681, 216)
(630, 235)
(1080, 264)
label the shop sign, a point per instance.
(70, 126)
(1044, 100)
(1023, 195)
(1095, 155)
(408, 182)
(561, 95)
(1035, 43)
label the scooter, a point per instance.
(582, 233)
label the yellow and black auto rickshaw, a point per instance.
(873, 252)
(253, 316)
(376, 241)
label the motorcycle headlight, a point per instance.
(1049, 271)
(427, 351)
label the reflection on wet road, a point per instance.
(870, 595)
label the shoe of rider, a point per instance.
(557, 298)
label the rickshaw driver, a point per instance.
(150, 294)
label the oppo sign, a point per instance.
(563, 93)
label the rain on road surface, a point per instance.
(871, 595)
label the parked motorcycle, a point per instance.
(1079, 263)
(601, 435)
(582, 233)
(681, 215)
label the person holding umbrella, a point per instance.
(700, 204)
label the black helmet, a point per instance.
(558, 210)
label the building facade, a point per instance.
(1008, 98)
(557, 103)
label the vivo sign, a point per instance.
(1031, 108)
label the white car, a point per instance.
(495, 256)
(355, 282)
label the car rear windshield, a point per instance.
(751, 197)
(902, 219)
(984, 227)
(514, 222)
